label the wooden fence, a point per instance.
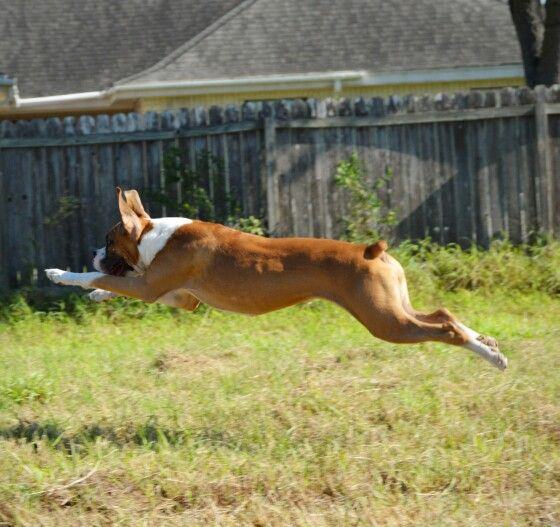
(466, 168)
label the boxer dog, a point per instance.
(181, 262)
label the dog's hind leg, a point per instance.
(179, 298)
(443, 316)
(476, 342)
(402, 327)
(379, 304)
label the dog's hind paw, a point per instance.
(481, 346)
(499, 360)
(489, 341)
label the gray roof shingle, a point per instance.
(294, 36)
(66, 46)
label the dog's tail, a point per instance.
(375, 249)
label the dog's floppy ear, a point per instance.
(133, 199)
(133, 222)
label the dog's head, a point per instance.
(120, 253)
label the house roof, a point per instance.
(300, 36)
(66, 46)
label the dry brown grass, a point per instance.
(297, 418)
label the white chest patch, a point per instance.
(155, 239)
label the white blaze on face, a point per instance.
(156, 238)
(99, 255)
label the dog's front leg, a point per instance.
(131, 286)
(99, 295)
(84, 280)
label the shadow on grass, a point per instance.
(148, 434)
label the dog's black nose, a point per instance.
(94, 253)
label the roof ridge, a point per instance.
(189, 44)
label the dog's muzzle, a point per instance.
(110, 263)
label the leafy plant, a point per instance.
(522, 268)
(368, 218)
(203, 192)
(252, 225)
(66, 206)
(25, 390)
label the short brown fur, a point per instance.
(250, 274)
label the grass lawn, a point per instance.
(135, 416)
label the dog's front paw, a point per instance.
(56, 275)
(100, 295)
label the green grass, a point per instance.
(131, 415)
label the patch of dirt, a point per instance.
(548, 422)
(175, 360)
(99, 492)
(7, 515)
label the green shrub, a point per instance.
(367, 219)
(251, 225)
(25, 390)
(521, 268)
(204, 195)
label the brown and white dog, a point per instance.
(180, 262)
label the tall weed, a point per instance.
(367, 217)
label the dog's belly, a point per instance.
(247, 304)
(254, 299)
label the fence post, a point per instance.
(272, 206)
(3, 220)
(544, 183)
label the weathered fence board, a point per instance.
(464, 168)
